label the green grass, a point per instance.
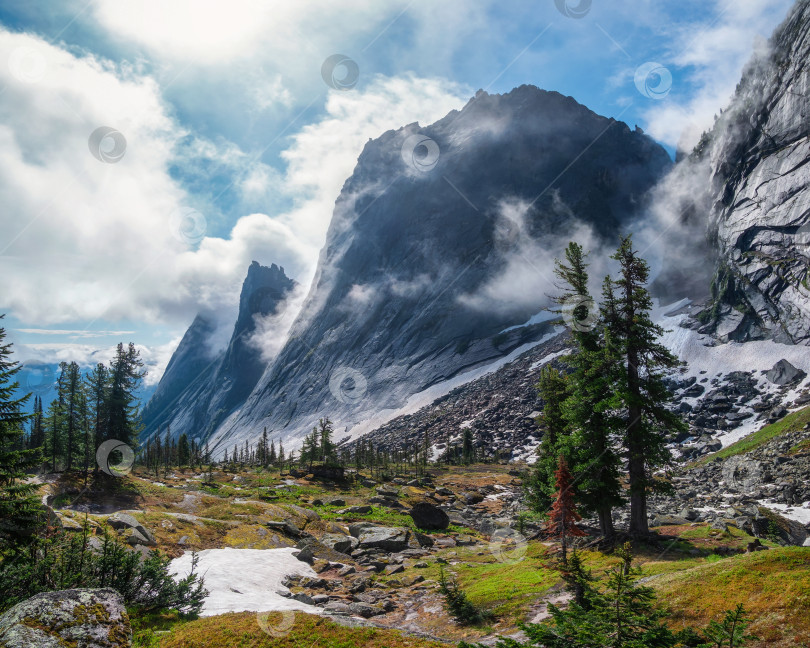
(774, 585)
(791, 423)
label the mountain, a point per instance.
(758, 154)
(199, 387)
(440, 249)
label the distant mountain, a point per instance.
(417, 279)
(200, 388)
(758, 154)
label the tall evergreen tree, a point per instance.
(590, 447)
(553, 389)
(125, 376)
(97, 394)
(467, 448)
(564, 516)
(326, 447)
(639, 392)
(183, 453)
(19, 508)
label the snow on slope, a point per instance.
(706, 359)
(246, 579)
(427, 396)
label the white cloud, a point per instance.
(93, 241)
(711, 58)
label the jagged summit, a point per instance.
(201, 386)
(419, 276)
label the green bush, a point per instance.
(458, 605)
(65, 560)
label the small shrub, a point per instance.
(458, 604)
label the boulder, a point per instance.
(784, 373)
(385, 538)
(667, 520)
(131, 530)
(427, 516)
(357, 510)
(387, 492)
(336, 501)
(82, 618)
(341, 543)
(357, 528)
(138, 537)
(769, 524)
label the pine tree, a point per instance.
(639, 389)
(183, 450)
(272, 458)
(37, 438)
(97, 395)
(563, 515)
(19, 507)
(467, 449)
(326, 449)
(265, 455)
(553, 389)
(125, 376)
(590, 447)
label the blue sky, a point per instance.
(234, 147)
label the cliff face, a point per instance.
(199, 389)
(758, 153)
(403, 297)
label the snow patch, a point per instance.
(242, 580)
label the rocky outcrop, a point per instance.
(200, 389)
(82, 618)
(758, 153)
(430, 517)
(407, 292)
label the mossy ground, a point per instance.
(699, 571)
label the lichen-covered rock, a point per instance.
(77, 618)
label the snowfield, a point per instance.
(242, 580)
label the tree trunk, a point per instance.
(606, 524)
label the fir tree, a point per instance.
(19, 507)
(563, 515)
(639, 390)
(183, 450)
(97, 395)
(590, 447)
(125, 376)
(553, 390)
(467, 449)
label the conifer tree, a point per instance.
(183, 450)
(97, 395)
(553, 390)
(563, 515)
(125, 376)
(19, 507)
(639, 390)
(467, 449)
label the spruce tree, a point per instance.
(125, 376)
(467, 449)
(19, 507)
(639, 390)
(563, 515)
(326, 448)
(183, 450)
(553, 390)
(97, 394)
(590, 446)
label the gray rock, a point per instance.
(82, 618)
(341, 543)
(365, 610)
(784, 373)
(385, 538)
(428, 516)
(357, 510)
